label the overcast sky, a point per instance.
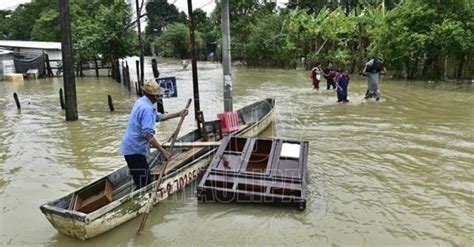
(206, 5)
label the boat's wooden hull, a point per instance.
(127, 207)
(85, 226)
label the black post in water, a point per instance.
(117, 67)
(137, 89)
(193, 59)
(68, 63)
(137, 63)
(159, 104)
(96, 67)
(124, 75)
(154, 67)
(128, 75)
(61, 99)
(17, 101)
(48, 65)
(111, 104)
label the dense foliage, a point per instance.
(420, 39)
(174, 42)
(101, 28)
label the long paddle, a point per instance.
(163, 169)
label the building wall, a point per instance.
(6, 65)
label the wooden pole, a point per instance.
(137, 64)
(197, 107)
(128, 76)
(228, 107)
(162, 171)
(17, 101)
(68, 62)
(159, 104)
(154, 67)
(117, 68)
(81, 73)
(111, 104)
(140, 44)
(48, 65)
(96, 67)
(61, 99)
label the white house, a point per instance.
(53, 49)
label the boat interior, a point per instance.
(119, 183)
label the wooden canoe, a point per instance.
(188, 163)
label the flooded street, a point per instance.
(395, 172)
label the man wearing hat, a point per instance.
(140, 131)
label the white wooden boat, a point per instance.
(187, 164)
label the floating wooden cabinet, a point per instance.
(93, 197)
(261, 170)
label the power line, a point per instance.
(212, 1)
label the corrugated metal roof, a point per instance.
(31, 44)
(5, 52)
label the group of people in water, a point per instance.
(338, 79)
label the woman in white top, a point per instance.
(316, 75)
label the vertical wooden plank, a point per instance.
(68, 62)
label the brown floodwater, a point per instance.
(395, 172)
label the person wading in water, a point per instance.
(373, 69)
(315, 75)
(330, 75)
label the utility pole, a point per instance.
(226, 56)
(140, 43)
(197, 107)
(68, 63)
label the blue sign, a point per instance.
(169, 84)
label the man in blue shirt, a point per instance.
(140, 134)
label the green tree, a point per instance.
(4, 23)
(46, 27)
(25, 16)
(314, 6)
(419, 37)
(268, 45)
(174, 41)
(201, 22)
(159, 14)
(110, 38)
(244, 14)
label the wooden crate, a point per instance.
(93, 197)
(257, 170)
(13, 77)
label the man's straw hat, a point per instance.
(152, 88)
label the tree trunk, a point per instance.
(437, 69)
(408, 69)
(460, 68)
(426, 67)
(81, 69)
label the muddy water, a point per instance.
(395, 172)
